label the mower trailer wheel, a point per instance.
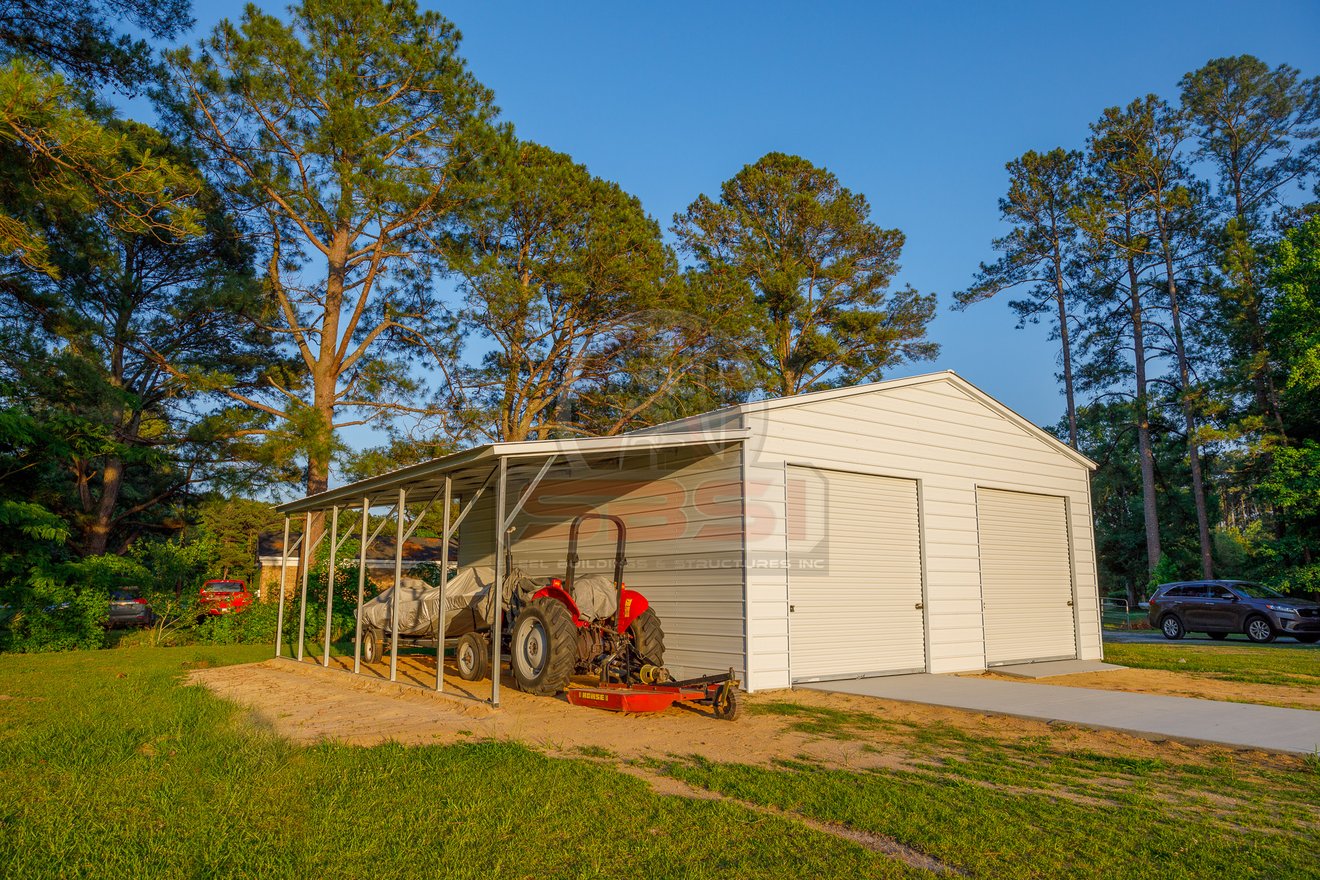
(726, 704)
(543, 647)
(470, 657)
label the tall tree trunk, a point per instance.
(1189, 418)
(1150, 511)
(1061, 298)
(325, 379)
(96, 535)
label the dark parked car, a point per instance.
(1218, 608)
(127, 608)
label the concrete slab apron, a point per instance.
(1051, 668)
(1147, 715)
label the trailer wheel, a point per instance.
(648, 638)
(470, 657)
(543, 647)
(726, 704)
(371, 644)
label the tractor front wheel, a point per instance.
(543, 647)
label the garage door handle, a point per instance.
(919, 606)
(1070, 604)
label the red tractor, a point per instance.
(557, 634)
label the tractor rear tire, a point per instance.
(543, 647)
(470, 657)
(648, 638)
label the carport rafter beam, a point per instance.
(471, 503)
(344, 540)
(417, 521)
(526, 494)
(383, 523)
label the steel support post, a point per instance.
(498, 611)
(394, 597)
(306, 567)
(444, 582)
(362, 586)
(330, 582)
(279, 613)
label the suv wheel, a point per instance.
(1261, 630)
(1172, 627)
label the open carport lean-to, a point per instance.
(464, 477)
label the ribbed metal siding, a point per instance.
(859, 614)
(1026, 577)
(683, 510)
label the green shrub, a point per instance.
(1167, 570)
(252, 626)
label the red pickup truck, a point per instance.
(218, 597)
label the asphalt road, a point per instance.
(1151, 637)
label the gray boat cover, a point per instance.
(468, 600)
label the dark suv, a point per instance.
(1218, 608)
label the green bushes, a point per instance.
(254, 626)
(51, 603)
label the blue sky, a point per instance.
(917, 105)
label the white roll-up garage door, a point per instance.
(1026, 577)
(854, 575)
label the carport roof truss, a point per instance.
(469, 469)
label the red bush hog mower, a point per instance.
(583, 627)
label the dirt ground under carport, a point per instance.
(307, 703)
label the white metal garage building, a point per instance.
(911, 525)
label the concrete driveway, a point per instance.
(1241, 725)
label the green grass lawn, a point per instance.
(1289, 665)
(110, 768)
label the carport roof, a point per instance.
(469, 468)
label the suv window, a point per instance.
(1218, 592)
(1174, 593)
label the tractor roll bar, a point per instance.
(620, 541)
